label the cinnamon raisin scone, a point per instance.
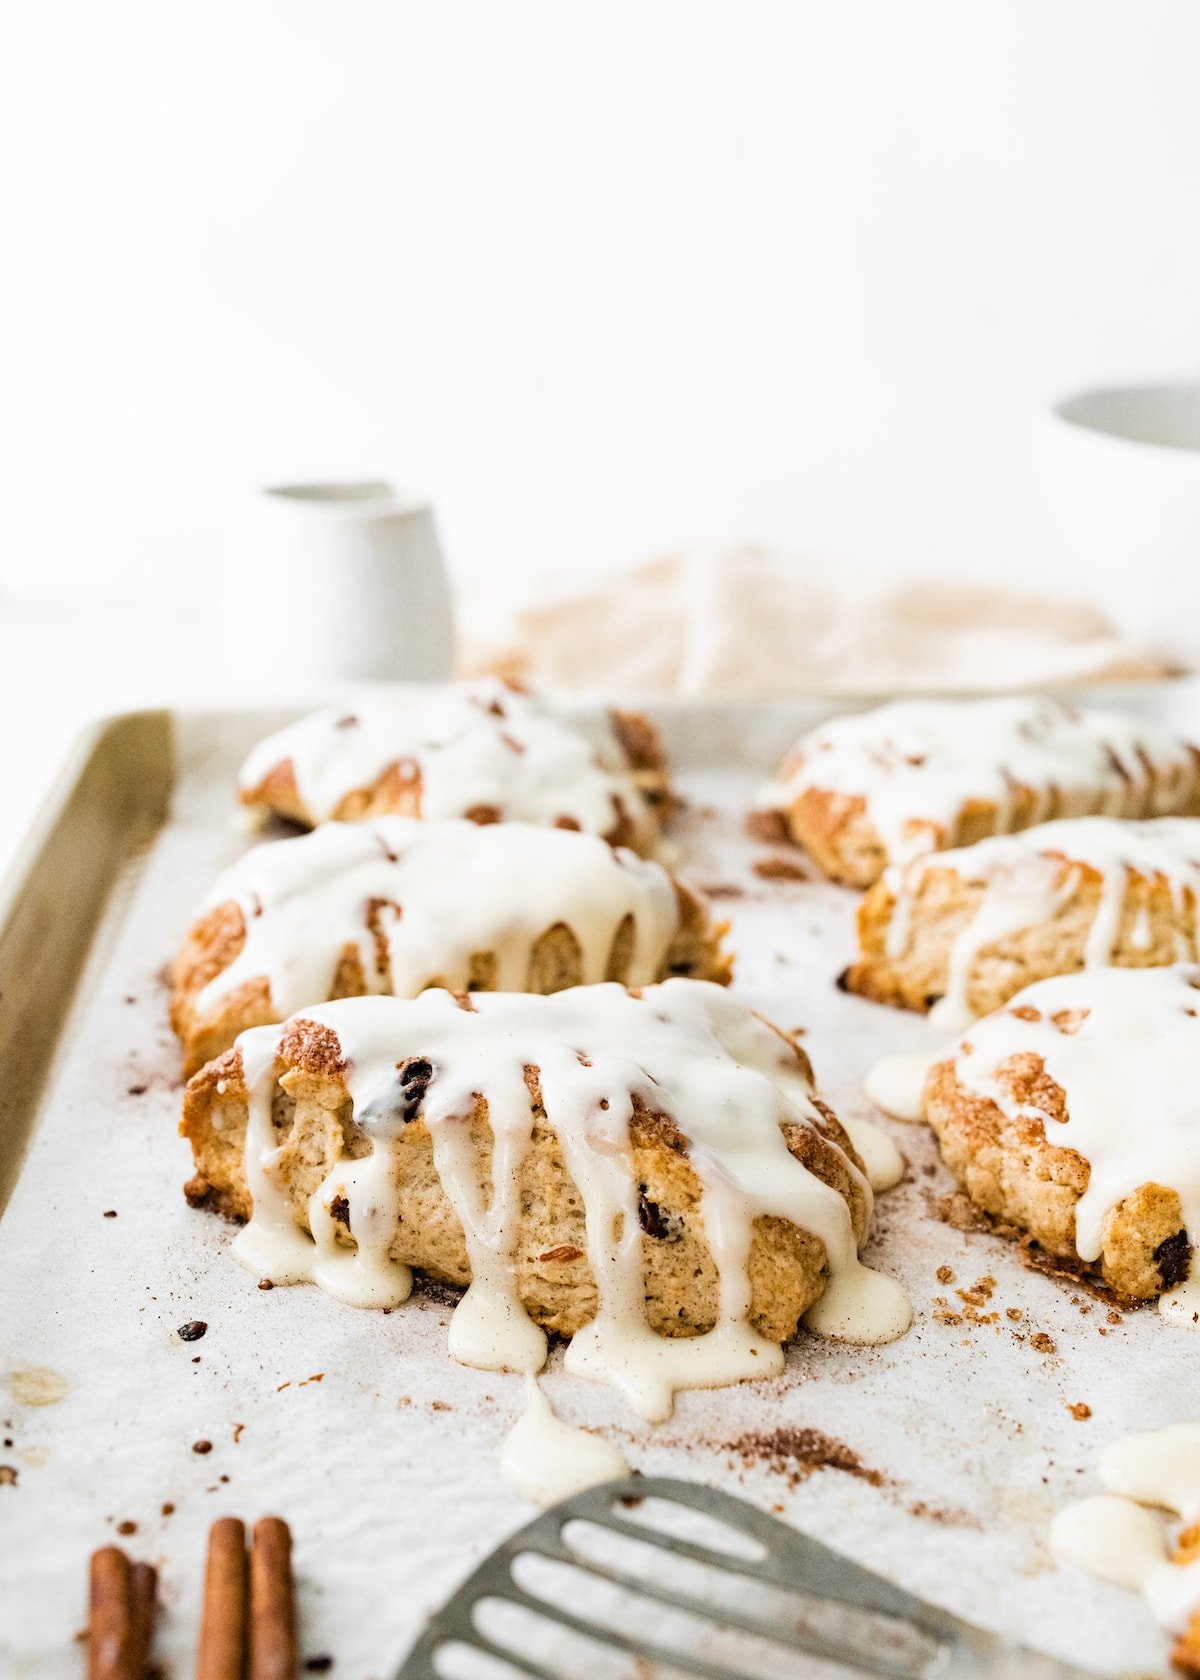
(1073, 1113)
(393, 904)
(484, 750)
(648, 1172)
(881, 787)
(963, 931)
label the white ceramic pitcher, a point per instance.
(337, 582)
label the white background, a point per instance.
(599, 278)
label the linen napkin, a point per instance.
(756, 622)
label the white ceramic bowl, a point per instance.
(1124, 474)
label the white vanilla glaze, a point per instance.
(881, 1158)
(1114, 1536)
(476, 745)
(684, 1047)
(544, 1459)
(896, 1084)
(917, 763)
(437, 892)
(1123, 1045)
(1030, 877)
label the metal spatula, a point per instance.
(654, 1577)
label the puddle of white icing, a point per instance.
(1123, 1045)
(916, 763)
(477, 744)
(544, 1459)
(439, 892)
(1115, 1536)
(1113, 1539)
(684, 1047)
(896, 1084)
(1028, 878)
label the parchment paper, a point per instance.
(958, 1442)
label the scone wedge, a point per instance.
(1073, 1115)
(394, 905)
(881, 787)
(961, 932)
(486, 750)
(648, 1172)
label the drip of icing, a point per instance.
(272, 1245)
(1028, 878)
(881, 1159)
(683, 1047)
(1115, 1537)
(544, 1459)
(896, 1084)
(917, 763)
(437, 893)
(1123, 1045)
(476, 745)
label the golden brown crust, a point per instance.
(555, 1282)
(835, 829)
(1009, 1169)
(556, 962)
(1153, 921)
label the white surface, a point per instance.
(1125, 478)
(387, 1467)
(598, 279)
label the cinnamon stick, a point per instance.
(110, 1617)
(274, 1653)
(143, 1596)
(222, 1650)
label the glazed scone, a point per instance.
(961, 932)
(882, 787)
(395, 905)
(623, 1167)
(1073, 1114)
(483, 750)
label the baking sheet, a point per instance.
(948, 1452)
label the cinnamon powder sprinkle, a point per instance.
(1080, 1411)
(797, 1453)
(1041, 1343)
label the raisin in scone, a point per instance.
(648, 1172)
(961, 932)
(1073, 1114)
(885, 786)
(483, 750)
(396, 905)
